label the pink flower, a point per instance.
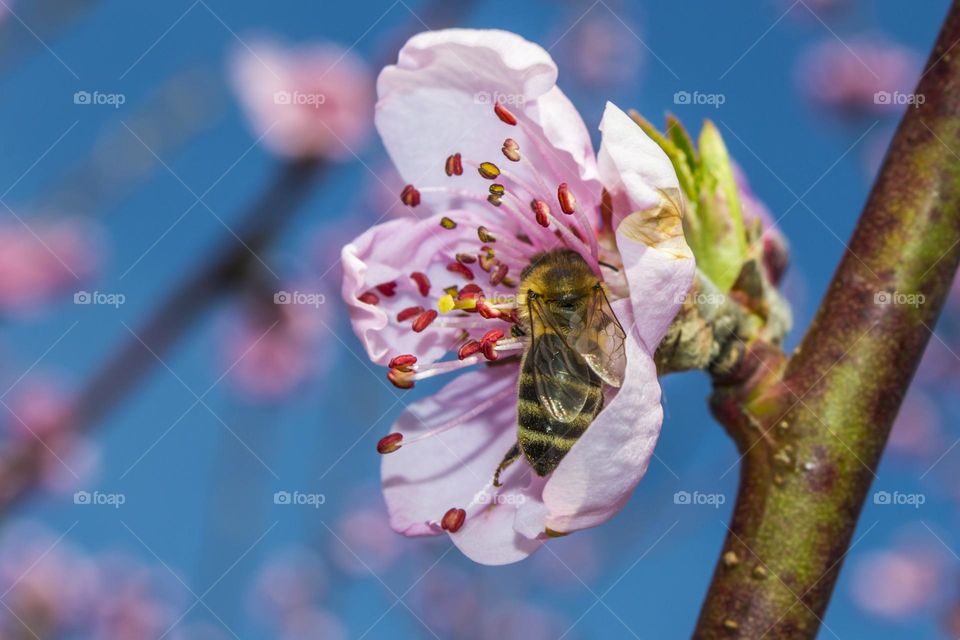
(310, 101)
(867, 74)
(459, 108)
(897, 583)
(269, 352)
(43, 260)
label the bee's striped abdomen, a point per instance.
(543, 439)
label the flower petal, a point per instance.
(598, 475)
(438, 100)
(658, 265)
(390, 252)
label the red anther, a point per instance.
(403, 362)
(410, 196)
(400, 379)
(469, 349)
(511, 150)
(542, 210)
(490, 336)
(568, 204)
(368, 297)
(453, 519)
(454, 166)
(408, 313)
(422, 282)
(489, 350)
(497, 276)
(424, 320)
(388, 289)
(486, 311)
(504, 114)
(466, 258)
(390, 443)
(462, 269)
(469, 290)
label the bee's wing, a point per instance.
(561, 376)
(601, 342)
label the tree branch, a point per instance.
(812, 429)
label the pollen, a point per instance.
(453, 520)
(448, 223)
(390, 443)
(410, 196)
(497, 189)
(485, 236)
(489, 170)
(505, 114)
(446, 304)
(497, 276)
(470, 348)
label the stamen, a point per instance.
(489, 350)
(368, 297)
(494, 200)
(471, 348)
(504, 114)
(453, 520)
(400, 379)
(466, 258)
(410, 196)
(497, 276)
(489, 170)
(485, 236)
(568, 203)
(424, 320)
(408, 313)
(489, 337)
(454, 165)
(497, 189)
(542, 211)
(422, 282)
(403, 362)
(462, 269)
(511, 150)
(389, 443)
(388, 289)
(447, 223)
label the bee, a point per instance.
(575, 346)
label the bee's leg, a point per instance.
(508, 459)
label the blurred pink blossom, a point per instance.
(521, 620)
(269, 352)
(291, 581)
(602, 50)
(38, 407)
(307, 101)
(448, 600)
(137, 601)
(314, 624)
(43, 259)
(897, 583)
(865, 74)
(367, 532)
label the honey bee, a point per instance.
(575, 346)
